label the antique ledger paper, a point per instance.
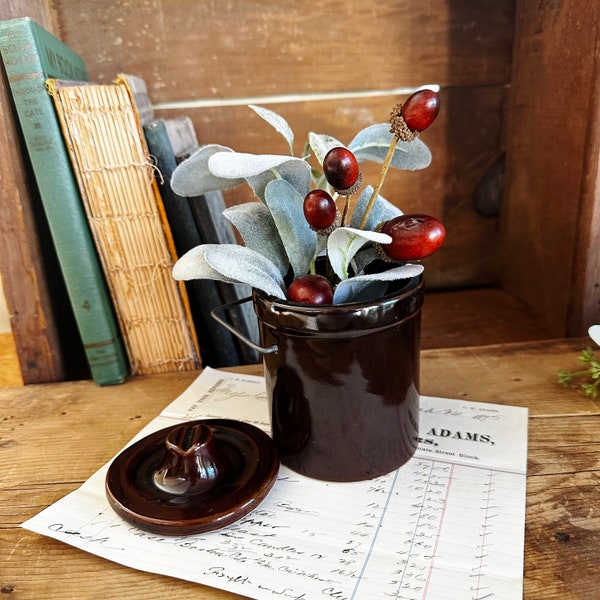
(448, 524)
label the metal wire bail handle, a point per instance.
(215, 314)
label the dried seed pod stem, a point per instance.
(384, 169)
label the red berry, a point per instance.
(310, 289)
(413, 236)
(341, 168)
(420, 110)
(320, 210)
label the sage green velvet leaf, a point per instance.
(321, 144)
(235, 165)
(299, 240)
(244, 265)
(296, 172)
(193, 177)
(276, 121)
(193, 265)
(348, 289)
(255, 224)
(318, 178)
(345, 242)
(306, 149)
(372, 143)
(369, 291)
(382, 210)
(230, 263)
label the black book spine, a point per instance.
(217, 345)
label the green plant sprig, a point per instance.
(591, 372)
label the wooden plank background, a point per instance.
(515, 76)
(216, 57)
(552, 214)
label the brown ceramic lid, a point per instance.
(194, 477)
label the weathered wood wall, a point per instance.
(551, 221)
(516, 77)
(213, 54)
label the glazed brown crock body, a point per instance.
(343, 385)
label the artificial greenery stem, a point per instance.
(384, 169)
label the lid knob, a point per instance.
(193, 462)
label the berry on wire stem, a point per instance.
(414, 237)
(408, 120)
(310, 289)
(416, 114)
(341, 170)
(320, 211)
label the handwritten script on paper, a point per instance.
(448, 524)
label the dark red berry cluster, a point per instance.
(414, 236)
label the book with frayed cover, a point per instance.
(116, 178)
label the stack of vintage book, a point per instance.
(94, 228)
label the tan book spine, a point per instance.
(128, 222)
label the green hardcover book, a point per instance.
(31, 55)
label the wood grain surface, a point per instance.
(240, 48)
(551, 213)
(53, 437)
(212, 58)
(10, 369)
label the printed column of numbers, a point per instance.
(478, 550)
(398, 564)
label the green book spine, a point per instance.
(31, 55)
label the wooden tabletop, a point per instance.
(54, 436)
